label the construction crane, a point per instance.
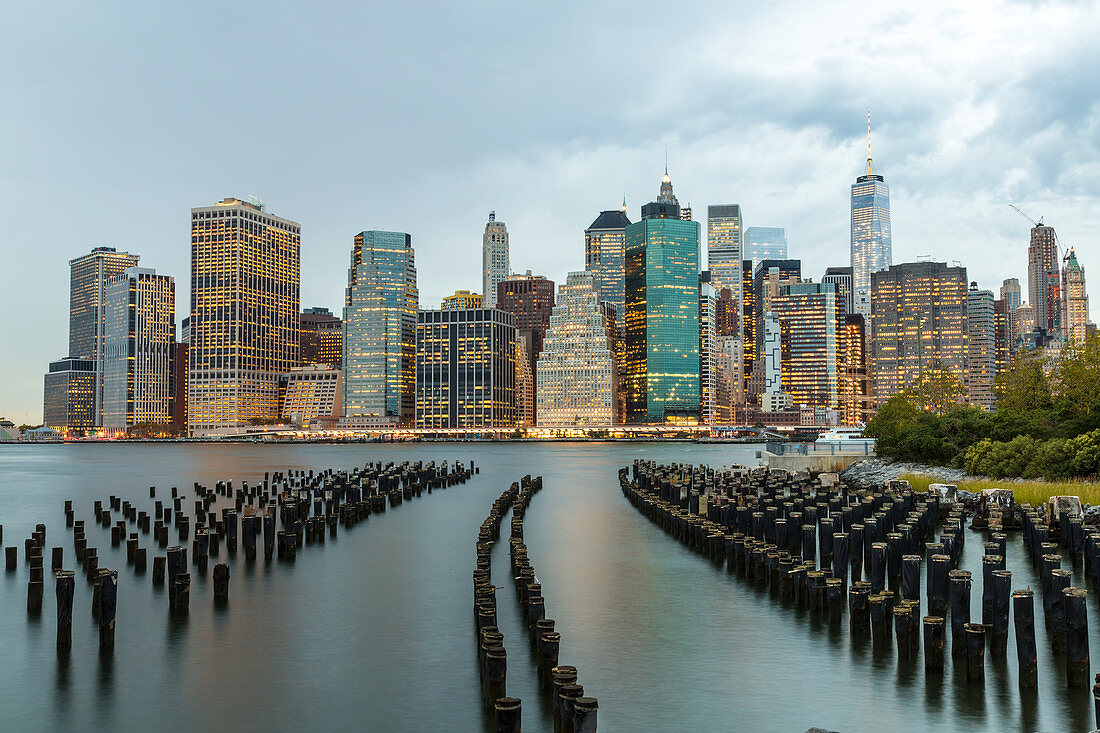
(1022, 213)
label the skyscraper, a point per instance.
(139, 337)
(807, 323)
(852, 386)
(981, 346)
(662, 314)
(461, 300)
(1075, 305)
(1002, 336)
(380, 309)
(530, 298)
(604, 246)
(724, 248)
(465, 369)
(576, 370)
(245, 318)
(841, 278)
(1042, 279)
(68, 395)
(88, 278)
(871, 239)
(495, 262)
(764, 243)
(322, 338)
(1010, 294)
(918, 311)
(708, 355)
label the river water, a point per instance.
(374, 630)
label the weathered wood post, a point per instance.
(975, 652)
(1077, 638)
(959, 581)
(65, 587)
(507, 715)
(221, 582)
(933, 643)
(108, 601)
(1023, 612)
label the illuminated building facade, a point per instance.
(88, 278)
(576, 370)
(604, 250)
(465, 369)
(179, 392)
(530, 298)
(769, 279)
(380, 308)
(1010, 294)
(662, 314)
(139, 336)
(322, 338)
(525, 381)
(461, 300)
(495, 261)
(764, 243)
(981, 346)
(245, 301)
(750, 330)
(1042, 279)
(918, 313)
(871, 242)
(1075, 306)
(1002, 336)
(725, 234)
(726, 311)
(708, 355)
(68, 402)
(730, 390)
(310, 392)
(852, 382)
(841, 279)
(807, 323)
(1024, 322)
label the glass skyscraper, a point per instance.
(380, 309)
(765, 243)
(662, 314)
(724, 246)
(871, 242)
(604, 242)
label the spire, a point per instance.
(1072, 260)
(868, 142)
(623, 209)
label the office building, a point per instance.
(245, 313)
(462, 300)
(724, 248)
(495, 261)
(604, 247)
(88, 278)
(764, 243)
(322, 338)
(726, 312)
(1024, 323)
(981, 346)
(807, 322)
(841, 279)
(852, 382)
(576, 370)
(1042, 279)
(68, 400)
(1011, 295)
(1002, 336)
(380, 308)
(918, 313)
(708, 355)
(750, 330)
(771, 354)
(139, 346)
(662, 314)
(525, 381)
(871, 242)
(730, 390)
(309, 392)
(530, 298)
(770, 277)
(179, 389)
(1075, 300)
(465, 369)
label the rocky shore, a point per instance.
(874, 471)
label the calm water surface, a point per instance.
(374, 630)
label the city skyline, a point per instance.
(790, 165)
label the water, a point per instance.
(374, 630)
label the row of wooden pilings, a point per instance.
(335, 497)
(573, 711)
(776, 528)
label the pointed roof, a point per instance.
(1071, 263)
(614, 219)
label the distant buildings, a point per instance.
(662, 314)
(981, 346)
(310, 392)
(139, 350)
(465, 369)
(604, 250)
(841, 279)
(69, 395)
(1042, 279)
(245, 313)
(322, 337)
(725, 249)
(1075, 300)
(461, 300)
(495, 261)
(808, 320)
(708, 355)
(530, 298)
(871, 242)
(764, 243)
(852, 382)
(380, 310)
(576, 374)
(918, 313)
(1010, 294)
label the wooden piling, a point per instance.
(975, 652)
(507, 715)
(934, 627)
(1077, 638)
(1023, 612)
(221, 582)
(108, 600)
(64, 587)
(959, 582)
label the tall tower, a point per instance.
(604, 246)
(380, 309)
(1011, 296)
(88, 278)
(495, 262)
(764, 243)
(1042, 279)
(245, 318)
(871, 240)
(981, 327)
(724, 248)
(1075, 300)
(662, 314)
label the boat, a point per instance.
(846, 435)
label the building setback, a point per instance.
(465, 369)
(140, 335)
(380, 307)
(576, 370)
(245, 313)
(604, 252)
(322, 338)
(918, 313)
(495, 261)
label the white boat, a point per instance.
(849, 436)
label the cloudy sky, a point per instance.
(423, 117)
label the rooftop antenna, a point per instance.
(868, 141)
(666, 159)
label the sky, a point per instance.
(116, 119)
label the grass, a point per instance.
(1031, 492)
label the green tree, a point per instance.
(1023, 387)
(1076, 383)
